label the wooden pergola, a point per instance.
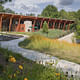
(53, 21)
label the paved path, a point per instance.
(68, 38)
(66, 66)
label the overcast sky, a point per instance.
(36, 6)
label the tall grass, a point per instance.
(61, 49)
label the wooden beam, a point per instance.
(54, 24)
(68, 26)
(33, 26)
(48, 23)
(0, 22)
(19, 24)
(64, 25)
(10, 23)
(41, 23)
(59, 25)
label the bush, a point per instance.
(45, 27)
(78, 31)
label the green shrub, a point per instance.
(45, 27)
(78, 31)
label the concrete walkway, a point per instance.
(66, 66)
(68, 38)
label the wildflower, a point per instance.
(25, 79)
(12, 59)
(17, 72)
(57, 74)
(14, 75)
(21, 67)
(10, 76)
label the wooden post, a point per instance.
(33, 26)
(68, 26)
(41, 24)
(54, 24)
(0, 23)
(64, 26)
(48, 23)
(19, 24)
(10, 23)
(59, 25)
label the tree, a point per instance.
(78, 14)
(63, 14)
(9, 11)
(50, 11)
(4, 1)
(45, 27)
(2, 8)
(5, 10)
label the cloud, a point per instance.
(66, 2)
(34, 6)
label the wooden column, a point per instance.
(33, 26)
(19, 24)
(41, 24)
(48, 23)
(64, 26)
(54, 24)
(59, 25)
(68, 26)
(0, 22)
(10, 23)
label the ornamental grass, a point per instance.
(54, 47)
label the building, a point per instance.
(20, 23)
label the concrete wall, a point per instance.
(28, 24)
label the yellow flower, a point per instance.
(14, 75)
(12, 59)
(57, 74)
(25, 79)
(21, 67)
(10, 76)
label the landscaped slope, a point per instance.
(52, 33)
(60, 49)
(14, 67)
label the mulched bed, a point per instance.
(9, 37)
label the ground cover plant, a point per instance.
(15, 67)
(52, 33)
(60, 49)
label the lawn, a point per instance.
(56, 33)
(60, 49)
(15, 67)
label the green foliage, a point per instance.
(50, 11)
(63, 14)
(31, 70)
(2, 9)
(53, 47)
(4, 1)
(78, 31)
(45, 27)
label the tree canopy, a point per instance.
(4, 1)
(7, 10)
(50, 11)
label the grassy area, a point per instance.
(14, 67)
(60, 49)
(51, 34)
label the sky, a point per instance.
(37, 6)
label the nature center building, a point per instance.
(19, 23)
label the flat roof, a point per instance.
(34, 18)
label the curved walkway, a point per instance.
(66, 66)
